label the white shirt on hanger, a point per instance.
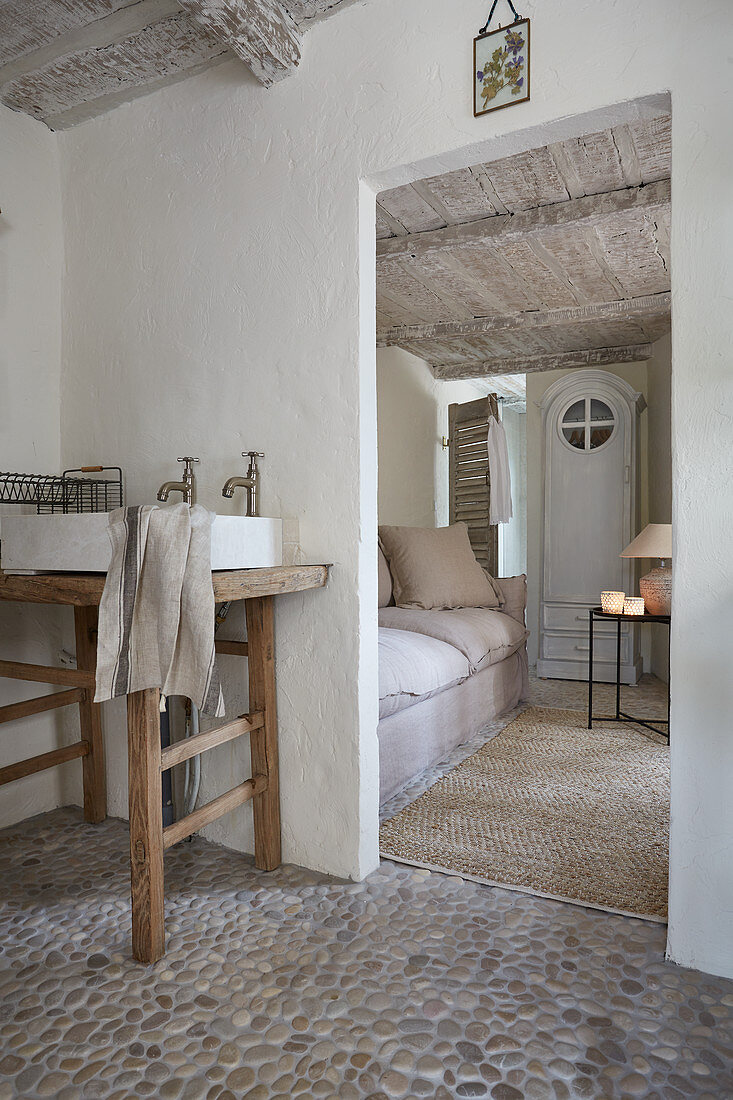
(500, 498)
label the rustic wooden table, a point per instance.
(148, 839)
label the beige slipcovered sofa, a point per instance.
(444, 675)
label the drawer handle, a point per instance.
(580, 618)
(583, 648)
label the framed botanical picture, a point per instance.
(501, 68)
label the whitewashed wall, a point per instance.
(412, 419)
(216, 234)
(31, 260)
(659, 395)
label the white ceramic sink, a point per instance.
(80, 543)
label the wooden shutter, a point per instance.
(470, 484)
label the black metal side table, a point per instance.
(597, 613)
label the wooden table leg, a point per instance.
(263, 742)
(90, 717)
(146, 825)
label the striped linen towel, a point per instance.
(156, 616)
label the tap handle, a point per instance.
(253, 454)
(189, 462)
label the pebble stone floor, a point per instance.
(291, 984)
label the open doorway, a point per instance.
(517, 282)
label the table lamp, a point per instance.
(655, 541)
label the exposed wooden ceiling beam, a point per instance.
(64, 61)
(302, 10)
(94, 78)
(593, 357)
(260, 32)
(104, 28)
(527, 224)
(648, 307)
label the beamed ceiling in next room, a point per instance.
(558, 257)
(63, 61)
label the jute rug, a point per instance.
(551, 808)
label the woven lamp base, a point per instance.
(656, 588)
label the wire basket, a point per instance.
(73, 491)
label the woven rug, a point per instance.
(550, 808)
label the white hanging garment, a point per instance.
(500, 502)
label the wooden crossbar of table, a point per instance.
(90, 747)
(146, 760)
(41, 704)
(209, 739)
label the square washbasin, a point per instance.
(81, 544)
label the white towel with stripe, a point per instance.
(156, 616)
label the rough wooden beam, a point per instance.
(260, 32)
(106, 25)
(62, 91)
(26, 25)
(396, 227)
(528, 224)
(650, 306)
(64, 61)
(100, 104)
(302, 10)
(566, 170)
(593, 357)
(624, 143)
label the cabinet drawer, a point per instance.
(574, 647)
(566, 617)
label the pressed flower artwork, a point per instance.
(501, 68)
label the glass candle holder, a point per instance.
(633, 605)
(613, 602)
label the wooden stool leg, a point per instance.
(263, 742)
(146, 825)
(90, 718)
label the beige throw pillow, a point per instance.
(385, 581)
(435, 568)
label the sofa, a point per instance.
(445, 673)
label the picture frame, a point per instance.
(501, 68)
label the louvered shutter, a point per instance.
(470, 484)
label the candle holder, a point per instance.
(634, 605)
(613, 602)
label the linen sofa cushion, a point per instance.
(514, 596)
(483, 636)
(413, 667)
(385, 581)
(435, 568)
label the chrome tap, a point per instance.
(186, 487)
(250, 483)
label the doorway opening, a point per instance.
(534, 291)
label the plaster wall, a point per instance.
(214, 300)
(659, 387)
(412, 418)
(31, 259)
(633, 373)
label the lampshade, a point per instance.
(655, 541)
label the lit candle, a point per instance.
(612, 602)
(633, 605)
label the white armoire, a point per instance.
(590, 423)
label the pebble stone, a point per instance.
(292, 984)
